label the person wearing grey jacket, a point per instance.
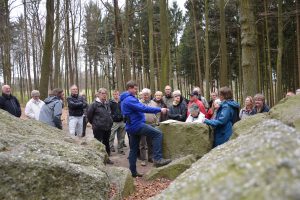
(51, 111)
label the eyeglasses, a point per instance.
(102, 92)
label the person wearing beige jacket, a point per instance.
(151, 119)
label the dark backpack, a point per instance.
(236, 116)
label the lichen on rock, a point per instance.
(182, 139)
(172, 170)
(261, 164)
(262, 161)
(40, 162)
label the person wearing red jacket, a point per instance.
(212, 112)
(194, 100)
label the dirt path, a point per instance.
(118, 159)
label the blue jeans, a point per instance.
(156, 137)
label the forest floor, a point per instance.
(144, 189)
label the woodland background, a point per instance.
(249, 45)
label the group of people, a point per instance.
(139, 117)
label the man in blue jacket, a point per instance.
(133, 112)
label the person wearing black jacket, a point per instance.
(9, 102)
(76, 104)
(99, 115)
(118, 123)
(260, 104)
(85, 120)
(178, 111)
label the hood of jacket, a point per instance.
(51, 99)
(124, 95)
(177, 104)
(232, 103)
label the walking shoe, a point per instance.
(112, 150)
(124, 145)
(108, 161)
(137, 175)
(161, 162)
(143, 163)
(150, 160)
(121, 152)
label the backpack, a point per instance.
(235, 117)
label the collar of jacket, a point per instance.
(146, 102)
(158, 101)
(99, 101)
(36, 101)
(7, 96)
(169, 96)
(114, 101)
(75, 95)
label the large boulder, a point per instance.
(288, 111)
(243, 126)
(41, 162)
(121, 180)
(262, 163)
(172, 170)
(182, 139)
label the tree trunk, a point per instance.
(34, 58)
(279, 53)
(117, 34)
(223, 66)
(198, 69)
(74, 44)
(266, 68)
(269, 56)
(127, 66)
(248, 42)
(158, 75)
(91, 78)
(164, 33)
(74, 51)
(142, 56)
(47, 52)
(207, 59)
(68, 38)
(20, 79)
(96, 76)
(258, 62)
(56, 47)
(86, 76)
(151, 47)
(298, 40)
(240, 76)
(5, 41)
(26, 46)
(66, 64)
